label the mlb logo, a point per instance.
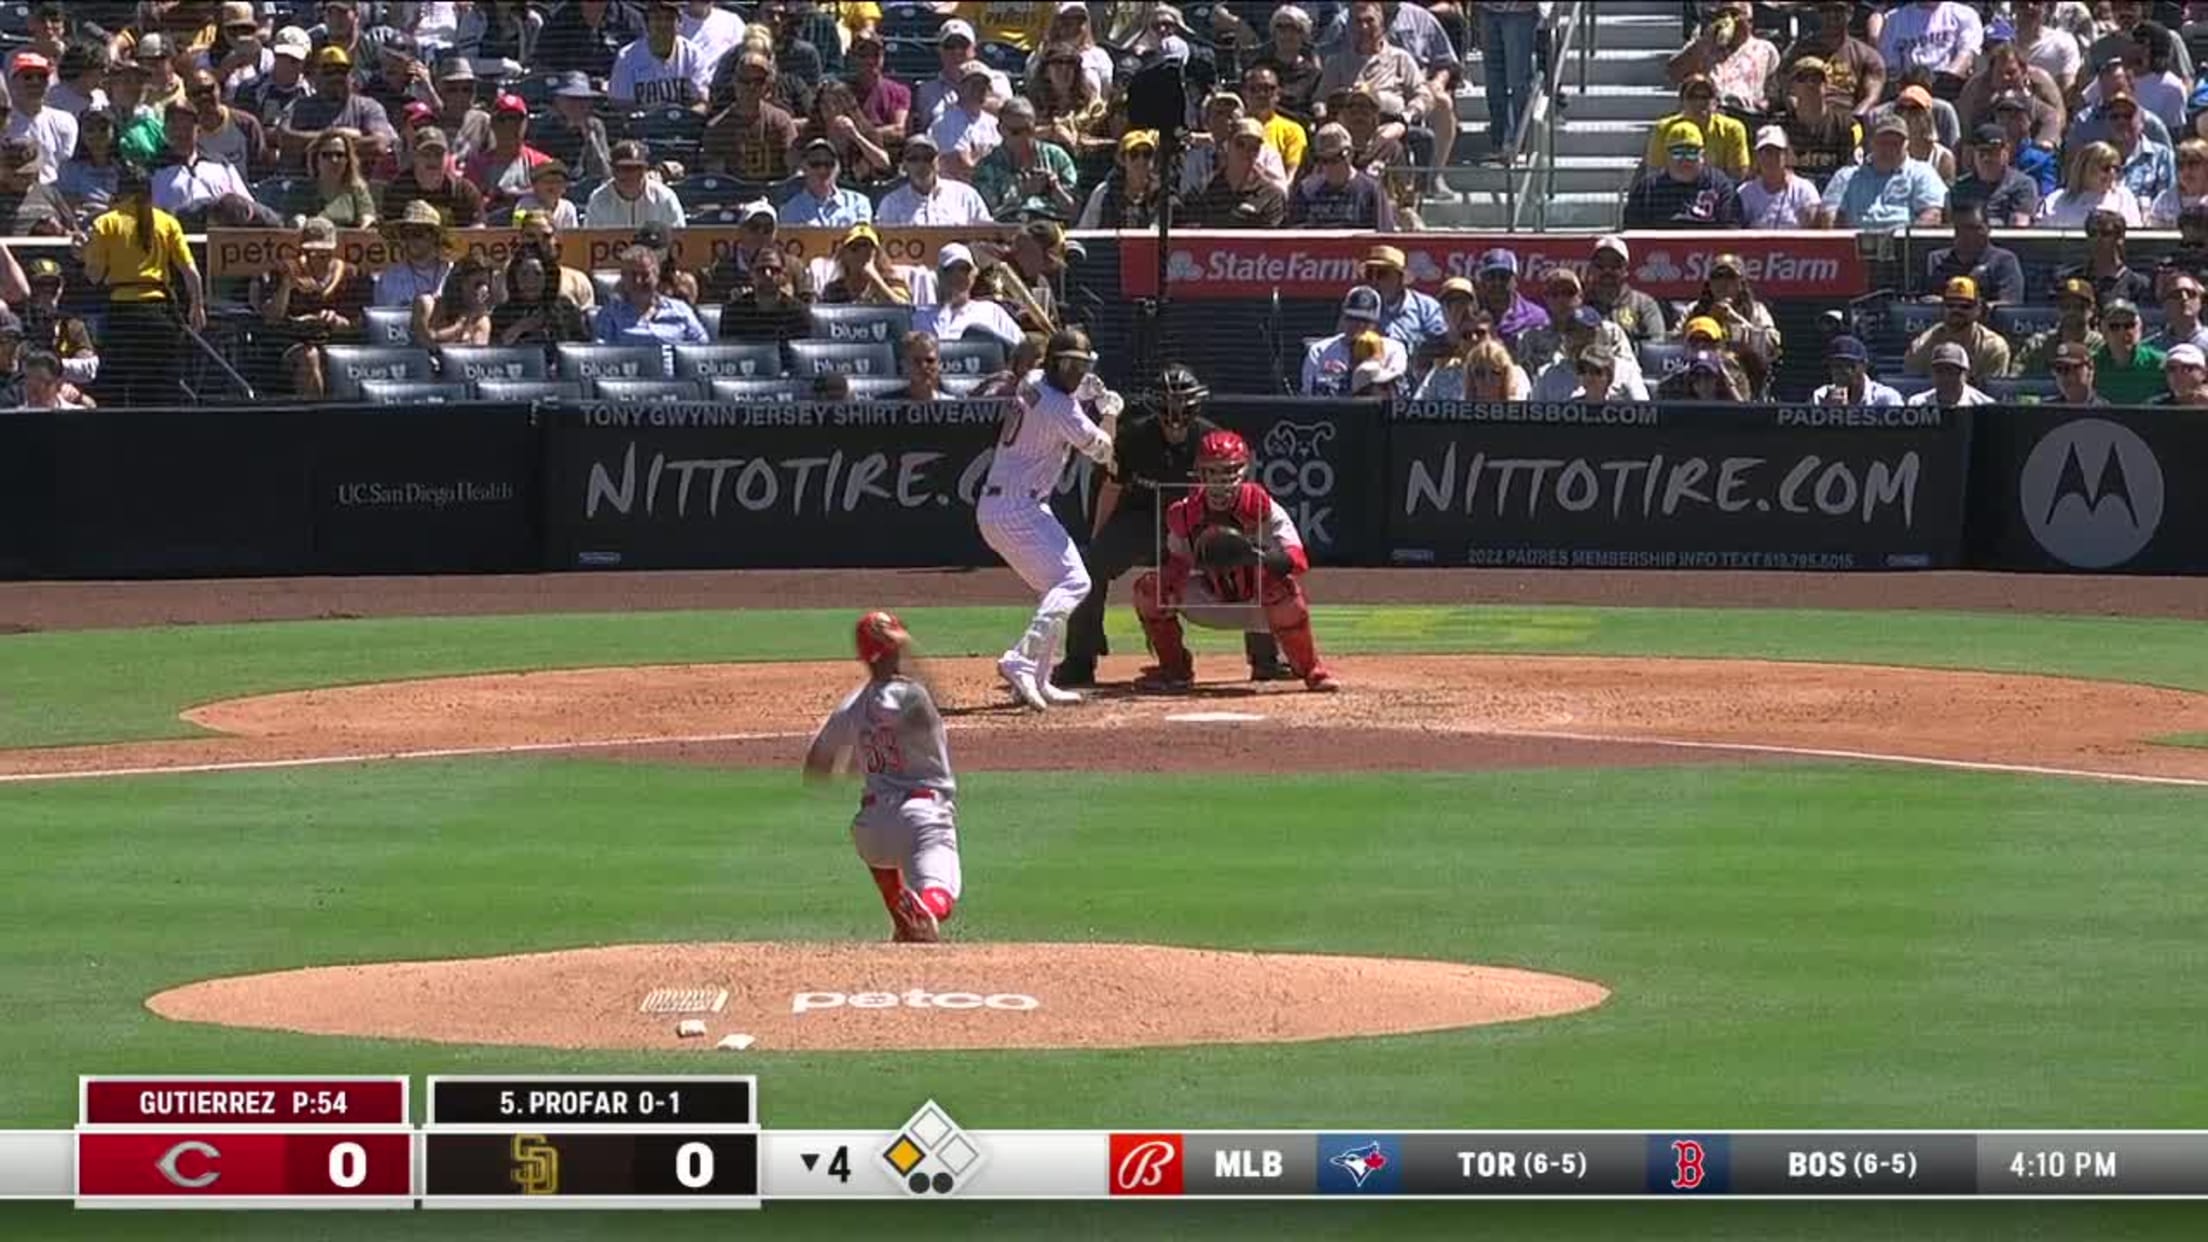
(1147, 1164)
(1360, 1164)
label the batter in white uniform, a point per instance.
(906, 830)
(1064, 407)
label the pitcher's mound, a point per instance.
(883, 997)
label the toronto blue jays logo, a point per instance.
(1361, 1162)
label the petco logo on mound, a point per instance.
(917, 998)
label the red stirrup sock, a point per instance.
(891, 883)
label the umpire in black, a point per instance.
(1128, 521)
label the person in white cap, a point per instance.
(1609, 290)
(954, 49)
(957, 312)
(1950, 380)
(1329, 365)
(1775, 197)
(267, 96)
(2186, 372)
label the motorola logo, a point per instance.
(2091, 493)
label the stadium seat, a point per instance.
(757, 389)
(1909, 320)
(469, 364)
(1907, 385)
(590, 362)
(607, 282)
(647, 390)
(723, 215)
(871, 388)
(701, 190)
(2020, 323)
(528, 390)
(869, 324)
(975, 356)
(911, 21)
(1662, 358)
(710, 316)
(728, 360)
(287, 196)
(387, 325)
(346, 366)
(910, 59)
(412, 392)
(960, 385)
(854, 358)
(2025, 391)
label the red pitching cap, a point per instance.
(878, 635)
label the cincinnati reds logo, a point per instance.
(1147, 1164)
(169, 1160)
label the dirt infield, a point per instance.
(873, 997)
(26, 606)
(1449, 712)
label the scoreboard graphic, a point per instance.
(695, 1142)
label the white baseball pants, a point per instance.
(917, 838)
(1025, 532)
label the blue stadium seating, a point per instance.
(728, 360)
(412, 392)
(809, 358)
(974, 356)
(866, 324)
(387, 325)
(647, 390)
(528, 390)
(592, 362)
(347, 366)
(758, 389)
(473, 363)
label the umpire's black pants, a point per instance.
(1129, 541)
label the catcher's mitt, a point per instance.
(1224, 547)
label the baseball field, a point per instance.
(1595, 850)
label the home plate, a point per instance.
(1214, 717)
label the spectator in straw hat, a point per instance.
(422, 263)
(1776, 198)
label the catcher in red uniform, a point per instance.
(1228, 546)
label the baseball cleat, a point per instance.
(1023, 684)
(1072, 676)
(1271, 672)
(1322, 682)
(1158, 678)
(1057, 697)
(916, 924)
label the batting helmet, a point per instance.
(1222, 462)
(1067, 358)
(879, 634)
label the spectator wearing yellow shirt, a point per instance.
(1022, 25)
(1261, 97)
(1724, 140)
(137, 252)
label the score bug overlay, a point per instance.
(674, 1141)
(247, 1142)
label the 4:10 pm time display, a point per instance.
(2050, 1164)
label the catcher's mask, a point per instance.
(1066, 359)
(1180, 398)
(1222, 462)
(880, 634)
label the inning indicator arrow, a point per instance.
(810, 1158)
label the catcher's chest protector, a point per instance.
(1191, 517)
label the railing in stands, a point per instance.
(1570, 27)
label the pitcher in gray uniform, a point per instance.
(906, 830)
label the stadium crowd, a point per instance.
(131, 124)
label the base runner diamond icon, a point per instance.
(930, 1155)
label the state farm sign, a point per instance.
(1301, 264)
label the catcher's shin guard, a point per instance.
(1162, 627)
(1290, 619)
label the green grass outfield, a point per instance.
(1789, 945)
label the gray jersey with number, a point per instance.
(896, 737)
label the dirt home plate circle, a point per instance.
(794, 997)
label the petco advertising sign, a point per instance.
(1322, 265)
